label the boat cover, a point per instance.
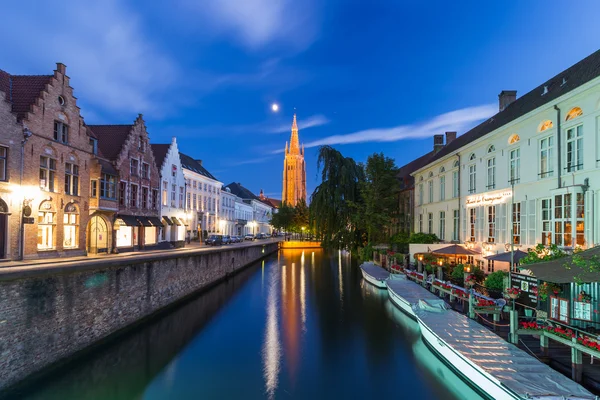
(413, 292)
(509, 365)
(375, 271)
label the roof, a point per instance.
(22, 90)
(575, 76)
(273, 202)
(406, 170)
(242, 192)
(188, 162)
(107, 167)
(111, 138)
(556, 270)
(160, 153)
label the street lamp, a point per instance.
(303, 232)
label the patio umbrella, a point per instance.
(505, 257)
(455, 250)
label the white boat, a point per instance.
(374, 274)
(485, 361)
(406, 294)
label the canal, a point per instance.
(298, 325)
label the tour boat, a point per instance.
(406, 294)
(489, 364)
(374, 274)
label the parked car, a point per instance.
(214, 240)
(260, 236)
(249, 237)
(236, 239)
(227, 239)
(267, 235)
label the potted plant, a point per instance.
(470, 279)
(513, 292)
(546, 288)
(584, 297)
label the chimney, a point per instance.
(506, 97)
(61, 68)
(438, 143)
(450, 136)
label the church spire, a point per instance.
(294, 142)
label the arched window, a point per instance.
(431, 174)
(514, 138)
(442, 170)
(574, 113)
(46, 225)
(472, 157)
(421, 179)
(545, 125)
(491, 149)
(455, 165)
(71, 227)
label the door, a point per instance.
(98, 235)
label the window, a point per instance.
(47, 173)
(70, 227)
(45, 230)
(189, 200)
(559, 309)
(71, 179)
(472, 220)
(144, 197)
(205, 187)
(134, 167)
(442, 188)
(472, 177)
(141, 146)
(122, 192)
(173, 195)
(491, 173)
(145, 171)
(420, 223)
(61, 132)
(491, 224)
(3, 159)
(546, 161)
(173, 170)
(420, 194)
(430, 223)
(134, 196)
(579, 222)
(94, 144)
(514, 173)
(575, 149)
(455, 222)
(108, 185)
(180, 196)
(490, 266)
(455, 184)
(546, 125)
(516, 221)
(563, 228)
(574, 113)
(513, 139)
(442, 225)
(491, 149)
(154, 199)
(165, 194)
(94, 188)
(430, 185)
(194, 184)
(546, 222)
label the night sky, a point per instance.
(364, 76)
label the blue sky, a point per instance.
(365, 76)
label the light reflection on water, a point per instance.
(272, 345)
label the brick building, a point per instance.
(137, 222)
(57, 159)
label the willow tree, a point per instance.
(336, 204)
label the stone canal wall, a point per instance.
(50, 312)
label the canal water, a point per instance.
(301, 324)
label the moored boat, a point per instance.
(374, 274)
(406, 294)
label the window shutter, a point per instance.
(531, 225)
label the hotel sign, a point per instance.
(489, 199)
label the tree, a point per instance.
(282, 219)
(380, 193)
(335, 201)
(495, 281)
(300, 218)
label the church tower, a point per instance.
(294, 172)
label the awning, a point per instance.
(176, 221)
(454, 250)
(155, 221)
(144, 221)
(505, 257)
(127, 220)
(556, 271)
(167, 220)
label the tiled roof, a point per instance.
(160, 152)
(188, 162)
(273, 202)
(406, 170)
(22, 90)
(111, 138)
(241, 192)
(566, 81)
(107, 167)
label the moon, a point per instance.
(275, 107)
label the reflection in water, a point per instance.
(341, 281)
(291, 321)
(272, 346)
(303, 294)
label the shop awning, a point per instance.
(144, 221)
(167, 220)
(562, 270)
(176, 221)
(155, 221)
(127, 220)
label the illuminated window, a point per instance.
(492, 224)
(514, 138)
(46, 225)
(574, 113)
(455, 222)
(546, 125)
(70, 227)
(546, 222)
(516, 218)
(472, 220)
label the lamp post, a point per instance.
(303, 232)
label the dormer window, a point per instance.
(94, 144)
(61, 132)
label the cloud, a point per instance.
(251, 161)
(258, 23)
(304, 123)
(458, 120)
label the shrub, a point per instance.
(495, 281)
(423, 238)
(366, 253)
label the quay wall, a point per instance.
(50, 312)
(299, 244)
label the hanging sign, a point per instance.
(489, 199)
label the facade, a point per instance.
(227, 213)
(172, 194)
(54, 189)
(243, 217)
(294, 171)
(262, 210)
(205, 195)
(137, 223)
(533, 164)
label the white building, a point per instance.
(202, 197)
(172, 191)
(227, 214)
(547, 145)
(243, 217)
(261, 209)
